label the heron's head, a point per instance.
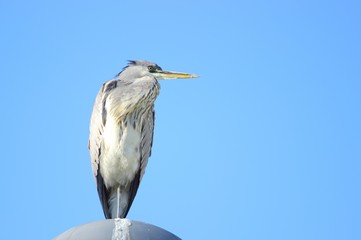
(138, 69)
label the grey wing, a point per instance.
(96, 131)
(147, 131)
(147, 140)
(95, 143)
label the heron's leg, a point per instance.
(118, 202)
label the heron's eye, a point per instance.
(150, 68)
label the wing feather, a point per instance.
(95, 144)
(147, 130)
(147, 140)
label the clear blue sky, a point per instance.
(265, 145)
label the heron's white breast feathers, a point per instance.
(121, 155)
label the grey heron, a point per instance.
(121, 133)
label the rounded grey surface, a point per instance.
(126, 230)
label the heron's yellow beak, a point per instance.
(173, 75)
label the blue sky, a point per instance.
(266, 144)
